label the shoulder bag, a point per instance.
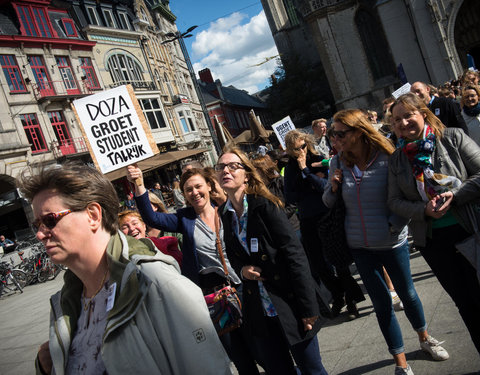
(224, 305)
(332, 232)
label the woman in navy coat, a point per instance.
(280, 300)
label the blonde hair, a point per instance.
(293, 136)
(413, 103)
(157, 202)
(317, 122)
(255, 184)
(358, 120)
(469, 87)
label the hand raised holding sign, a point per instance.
(135, 176)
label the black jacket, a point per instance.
(284, 266)
(448, 111)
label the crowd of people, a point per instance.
(133, 298)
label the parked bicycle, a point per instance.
(11, 279)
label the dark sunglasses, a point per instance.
(49, 220)
(302, 147)
(232, 167)
(340, 133)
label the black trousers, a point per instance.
(456, 275)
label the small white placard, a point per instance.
(281, 128)
(405, 89)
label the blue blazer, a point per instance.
(183, 221)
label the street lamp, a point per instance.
(180, 36)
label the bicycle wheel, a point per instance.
(17, 285)
(21, 277)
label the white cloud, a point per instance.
(231, 46)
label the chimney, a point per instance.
(205, 75)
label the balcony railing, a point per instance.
(69, 147)
(59, 89)
(137, 85)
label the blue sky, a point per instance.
(231, 38)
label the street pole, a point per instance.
(179, 36)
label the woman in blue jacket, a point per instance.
(201, 263)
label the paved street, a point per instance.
(348, 348)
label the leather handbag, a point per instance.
(223, 304)
(470, 246)
(332, 232)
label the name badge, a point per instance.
(111, 296)
(437, 111)
(254, 245)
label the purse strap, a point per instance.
(218, 243)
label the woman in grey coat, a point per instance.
(434, 180)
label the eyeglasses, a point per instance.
(49, 220)
(302, 147)
(232, 167)
(340, 133)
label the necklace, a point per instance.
(86, 304)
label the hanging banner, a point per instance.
(115, 127)
(281, 128)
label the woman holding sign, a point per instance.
(280, 303)
(200, 263)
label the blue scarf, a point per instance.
(472, 111)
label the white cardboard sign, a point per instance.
(113, 128)
(405, 89)
(281, 128)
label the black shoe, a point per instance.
(352, 311)
(337, 306)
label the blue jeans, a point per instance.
(397, 263)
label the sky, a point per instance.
(232, 37)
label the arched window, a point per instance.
(375, 44)
(124, 68)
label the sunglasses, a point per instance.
(302, 147)
(49, 220)
(340, 133)
(232, 167)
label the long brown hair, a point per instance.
(413, 103)
(266, 168)
(255, 184)
(358, 120)
(193, 172)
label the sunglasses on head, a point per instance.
(340, 133)
(49, 220)
(302, 147)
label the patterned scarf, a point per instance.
(419, 154)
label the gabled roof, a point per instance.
(229, 95)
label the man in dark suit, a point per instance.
(446, 109)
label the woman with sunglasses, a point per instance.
(122, 300)
(280, 302)
(304, 186)
(377, 238)
(201, 262)
(434, 181)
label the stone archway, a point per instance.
(467, 32)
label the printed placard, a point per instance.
(405, 89)
(281, 128)
(115, 128)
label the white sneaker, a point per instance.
(432, 346)
(399, 370)
(397, 302)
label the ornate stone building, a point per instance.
(364, 44)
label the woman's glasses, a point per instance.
(232, 167)
(49, 220)
(302, 147)
(340, 133)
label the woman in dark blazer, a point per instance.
(280, 300)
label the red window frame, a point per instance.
(12, 74)
(34, 21)
(34, 133)
(89, 71)
(69, 21)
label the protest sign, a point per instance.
(405, 89)
(281, 128)
(115, 128)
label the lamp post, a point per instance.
(180, 36)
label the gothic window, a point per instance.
(124, 68)
(375, 44)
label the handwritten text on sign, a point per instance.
(113, 129)
(281, 128)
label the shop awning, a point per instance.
(157, 161)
